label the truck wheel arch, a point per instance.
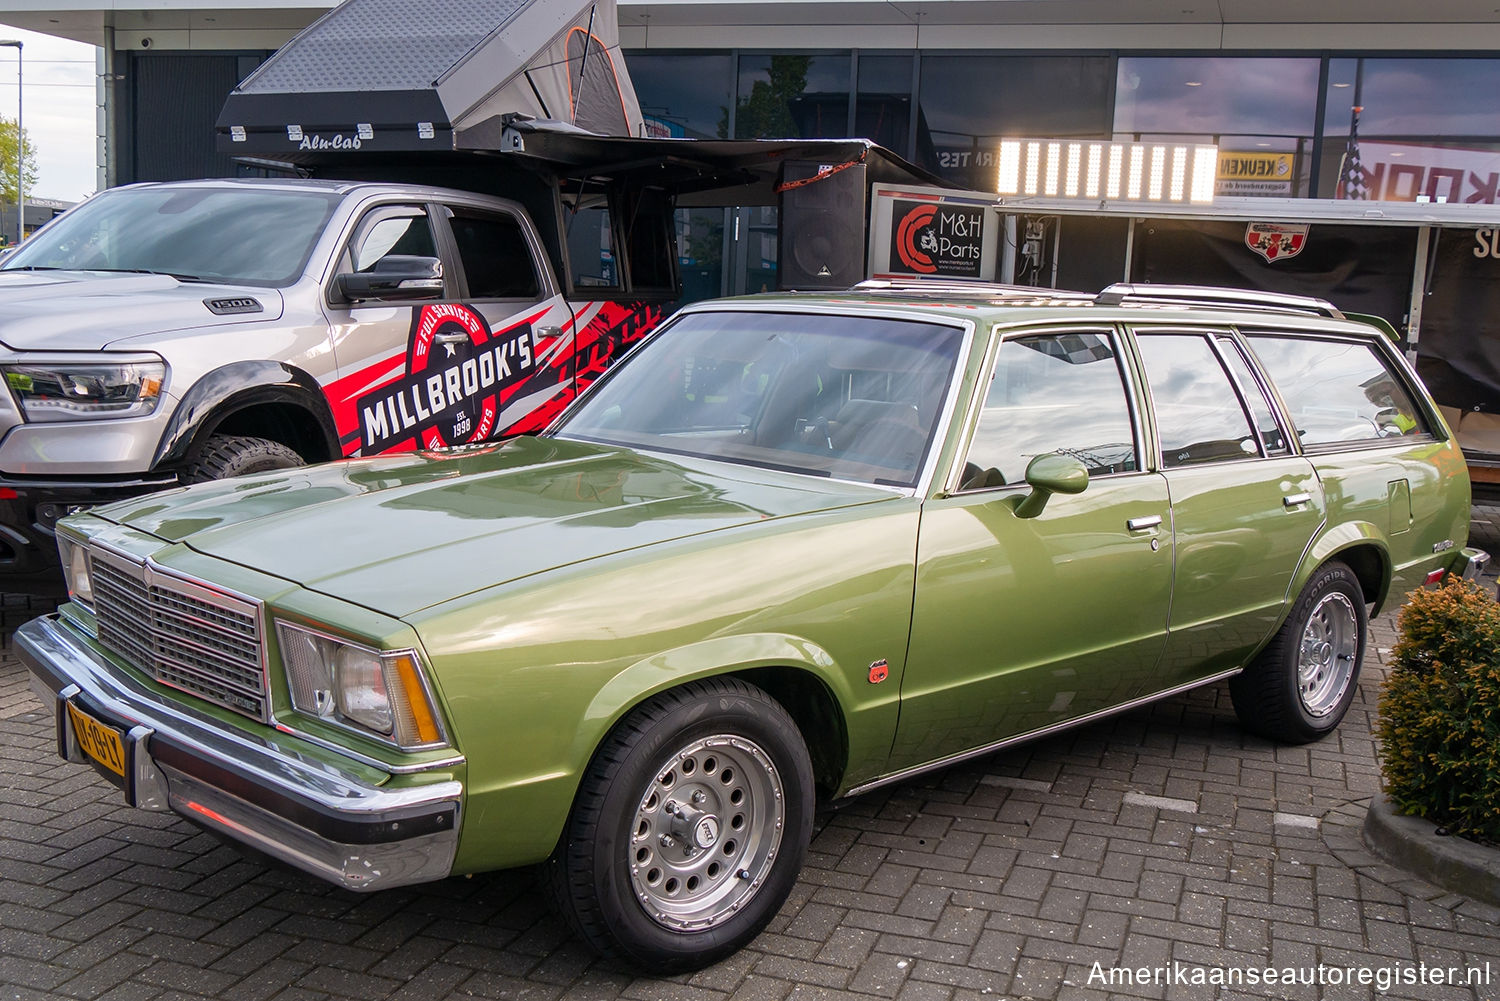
(266, 399)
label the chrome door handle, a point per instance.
(451, 338)
(1292, 500)
(1141, 524)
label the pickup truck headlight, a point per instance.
(79, 391)
(77, 569)
(378, 692)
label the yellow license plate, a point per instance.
(98, 741)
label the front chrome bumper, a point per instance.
(339, 824)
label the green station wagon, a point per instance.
(791, 546)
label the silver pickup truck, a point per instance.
(162, 334)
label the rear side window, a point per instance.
(1198, 413)
(495, 256)
(1060, 393)
(1338, 391)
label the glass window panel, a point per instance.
(1059, 393)
(591, 247)
(700, 253)
(495, 256)
(1426, 127)
(1338, 391)
(1216, 96)
(789, 96)
(1198, 415)
(405, 234)
(683, 94)
(882, 111)
(968, 102)
(1271, 435)
(853, 397)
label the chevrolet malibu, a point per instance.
(791, 546)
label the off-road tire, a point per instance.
(1283, 694)
(612, 873)
(223, 456)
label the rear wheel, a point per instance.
(223, 456)
(689, 829)
(1303, 682)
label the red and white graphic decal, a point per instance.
(1276, 241)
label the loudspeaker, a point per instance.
(822, 227)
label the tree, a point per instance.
(8, 161)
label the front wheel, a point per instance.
(689, 828)
(225, 455)
(1301, 685)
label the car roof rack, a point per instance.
(1128, 294)
(939, 288)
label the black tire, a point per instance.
(714, 875)
(223, 456)
(1301, 685)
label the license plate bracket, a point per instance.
(102, 744)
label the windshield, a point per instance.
(854, 398)
(240, 236)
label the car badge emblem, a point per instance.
(879, 671)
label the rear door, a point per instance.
(1244, 506)
(513, 352)
(1020, 624)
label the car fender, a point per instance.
(1339, 539)
(234, 387)
(709, 658)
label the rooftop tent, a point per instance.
(390, 75)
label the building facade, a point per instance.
(1294, 95)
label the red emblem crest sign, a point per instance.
(1276, 241)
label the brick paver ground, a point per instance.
(1161, 836)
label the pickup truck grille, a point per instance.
(183, 634)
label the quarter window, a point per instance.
(1338, 391)
(1271, 436)
(1061, 393)
(1198, 413)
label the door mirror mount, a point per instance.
(393, 278)
(1048, 475)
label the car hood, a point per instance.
(92, 310)
(399, 534)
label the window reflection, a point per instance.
(1257, 110)
(683, 95)
(792, 97)
(1337, 391)
(1058, 393)
(1198, 416)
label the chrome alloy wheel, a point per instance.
(1326, 653)
(707, 831)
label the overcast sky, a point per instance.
(59, 113)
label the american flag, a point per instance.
(1354, 180)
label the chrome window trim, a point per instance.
(1002, 334)
(923, 481)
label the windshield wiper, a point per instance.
(146, 271)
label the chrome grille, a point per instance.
(181, 633)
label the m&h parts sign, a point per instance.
(937, 240)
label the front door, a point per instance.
(1020, 624)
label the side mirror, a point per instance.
(394, 278)
(1048, 475)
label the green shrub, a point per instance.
(1440, 710)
